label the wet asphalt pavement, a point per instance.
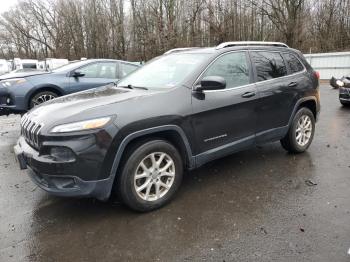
(258, 205)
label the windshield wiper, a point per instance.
(134, 87)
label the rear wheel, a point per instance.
(41, 97)
(301, 132)
(150, 175)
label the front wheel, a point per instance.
(41, 97)
(150, 175)
(301, 132)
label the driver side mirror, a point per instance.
(77, 74)
(211, 83)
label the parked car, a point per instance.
(333, 82)
(177, 112)
(53, 63)
(4, 67)
(343, 84)
(25, 63)
(22, 91)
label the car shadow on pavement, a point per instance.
(345, 108)
(219, 200)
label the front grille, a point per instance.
(30, 130)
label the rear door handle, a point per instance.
(293, 84)
(248, 94)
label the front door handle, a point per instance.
(248, 94)
(293, 84)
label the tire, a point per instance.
(41, 97)
(150, 175)
(295, 141)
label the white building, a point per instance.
(330, 64)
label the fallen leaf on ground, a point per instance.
(309, 182)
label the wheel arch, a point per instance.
(171, 133)
(41, 88)
(309, 102)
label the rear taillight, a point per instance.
(317, 74)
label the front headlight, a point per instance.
(12, 82)
(340, 83)
(82, 125)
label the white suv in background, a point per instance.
(4, 67)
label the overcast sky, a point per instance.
(6, 4)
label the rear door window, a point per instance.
(269, 65)
(294, 64)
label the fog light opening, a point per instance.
(8, 101)
(62, 154)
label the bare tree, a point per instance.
(143, 29)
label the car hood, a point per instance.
(22, 74)
(90, 104)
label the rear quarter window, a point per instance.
(294, 63)
(268, 65)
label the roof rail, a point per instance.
(175, 50)
(252, 43)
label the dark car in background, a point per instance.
(21, 91)
(343, 84)
(177, 112)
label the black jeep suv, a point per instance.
(177, 112)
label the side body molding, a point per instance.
(201, 159)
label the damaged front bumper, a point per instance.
(39, 169)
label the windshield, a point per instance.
(165, 72)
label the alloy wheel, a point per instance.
(154, 176)
(43, 98)
(303, 131)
